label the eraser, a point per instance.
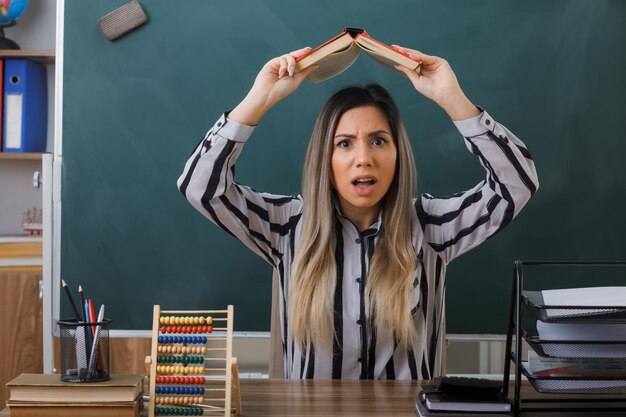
(122, 20)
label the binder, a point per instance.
(25, 100)
(1, 95)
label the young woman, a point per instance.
(361, 263)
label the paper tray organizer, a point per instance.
(533, 300)
(567, 384)
(574, 349)
(561, 384)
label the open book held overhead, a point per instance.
(336, 55)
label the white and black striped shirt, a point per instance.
(443, 228)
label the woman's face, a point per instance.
(363, 163)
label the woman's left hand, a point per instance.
(437, 81)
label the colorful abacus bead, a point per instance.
(178, 411)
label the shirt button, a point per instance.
(487, 122)
(358, 240)
(219, 124)
(359, 322)
(360, 360)
(358, 280)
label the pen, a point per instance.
(87, 329)
(94, 347)
(92, 315)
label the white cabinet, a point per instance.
(17, 193)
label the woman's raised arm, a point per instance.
(276, 80)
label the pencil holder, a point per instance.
(84, 351)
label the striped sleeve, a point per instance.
(260, 220)
(456, 224)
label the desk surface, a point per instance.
(329, 398)
(337, 398)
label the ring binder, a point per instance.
(25, 110)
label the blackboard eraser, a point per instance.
(122, 20)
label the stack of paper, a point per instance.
(589, 367)
(596, 300)
(591, 297)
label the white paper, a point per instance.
(586, 297)
(582, 332)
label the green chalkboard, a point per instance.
(133, 109)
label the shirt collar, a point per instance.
(372, 230)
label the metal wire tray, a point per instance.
(572, 314)
(574, 349)
(555, 384)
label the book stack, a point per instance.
(45, 395)
(459, 397)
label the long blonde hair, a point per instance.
(389, 284)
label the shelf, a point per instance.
(43, 57)
(21, 250)
(20, 238)
(21, 156)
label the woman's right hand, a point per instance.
(276, 80)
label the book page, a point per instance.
(334, 64)
(384, 54)
(337, 44)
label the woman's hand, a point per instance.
(437, 81)
(276, 80)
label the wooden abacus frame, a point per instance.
(224, 354)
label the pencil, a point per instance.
(69, 296)
(82, 302)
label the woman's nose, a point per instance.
(363, 155)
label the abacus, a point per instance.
(191, 373)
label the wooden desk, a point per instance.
(324, 398)
(278, 398)
(328, 398)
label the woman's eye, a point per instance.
(379, 141)
(343, 144)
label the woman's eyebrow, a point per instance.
(374, 133)
(378, 132)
